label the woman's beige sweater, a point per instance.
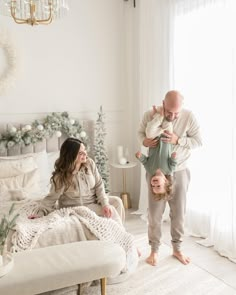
(87, 188)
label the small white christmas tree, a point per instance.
(100, 154)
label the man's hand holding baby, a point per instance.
(169, 137)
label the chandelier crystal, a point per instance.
(34, 12)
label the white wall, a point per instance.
(77, 64)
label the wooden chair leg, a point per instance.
(103, 286)
(78, 291)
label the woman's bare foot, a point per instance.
(152, 259)
(181, 257)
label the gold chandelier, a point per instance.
(35, 12)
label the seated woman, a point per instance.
(77, 182)
(78, 188)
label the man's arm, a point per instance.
(193, 138)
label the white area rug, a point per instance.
(169, 277)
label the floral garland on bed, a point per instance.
(54, 124)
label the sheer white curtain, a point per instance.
(190, 46)
(205, 71)
(153, 42)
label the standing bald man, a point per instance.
(185, 136)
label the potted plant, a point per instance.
(7, 223)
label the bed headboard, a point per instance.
(51, 144)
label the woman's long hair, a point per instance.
(65, 165)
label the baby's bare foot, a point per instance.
(152, 259)
(138, 155)
(181, 257)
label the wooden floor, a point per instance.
(203, 257)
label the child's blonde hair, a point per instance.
(168, 190)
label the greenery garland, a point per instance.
(54, 124)
(57, 124)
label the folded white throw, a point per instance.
(28, 231)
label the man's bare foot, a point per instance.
(181, 257)
(152, 259)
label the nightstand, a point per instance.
(125, 196)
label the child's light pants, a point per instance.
(177, 212)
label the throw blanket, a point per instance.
(28, 231)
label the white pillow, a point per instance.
(41, 159)
(26, 184)
(13, 195)
(13, 166)
(28, 162)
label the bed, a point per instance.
(24, 179)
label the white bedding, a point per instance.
(17, 189)
(24, 179)
(14, 188)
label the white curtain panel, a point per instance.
(190, 46)
(205, 71)
(154, 59)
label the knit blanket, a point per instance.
(28, 231)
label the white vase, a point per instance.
(120, 152)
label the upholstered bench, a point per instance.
(56, 267)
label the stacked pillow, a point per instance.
(26, 176)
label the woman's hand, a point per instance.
(33, 216)
(107, 212)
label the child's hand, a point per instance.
(138, 155)
(173, 155)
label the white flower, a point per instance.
(40, 127)
(58, 134)
(10, 144)
(82, 134)
(54, 124)
(13, 129)
(27, 128)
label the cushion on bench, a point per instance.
(55, 267)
